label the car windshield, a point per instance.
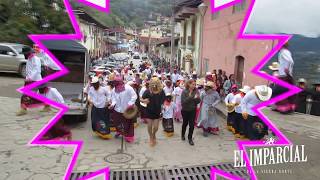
(20, 49)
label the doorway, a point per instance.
(239, 69)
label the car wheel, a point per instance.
(23, 70)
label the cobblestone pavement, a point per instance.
(19, 162)
(169, 152)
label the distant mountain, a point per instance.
(306, 55)
(304, 44)
(132, 13)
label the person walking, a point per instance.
(256, 129)
(167, 113)
(99, 99)
(123, 98)
(190, 98)
(154, 98)
(33, 74)
(239, 122)
(208, 115)
(177, 99)
(230, 108)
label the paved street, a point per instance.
(169, 152)
(21, 162)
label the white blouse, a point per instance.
(249, 101)
(229, 98)
(99, 97)
(122, 100)
(237, 100)
(285, 62)
(167, 90)
(54, 95)
(168, 111)
(33, 69)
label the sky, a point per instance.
(286, 16)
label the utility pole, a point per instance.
(172, 35)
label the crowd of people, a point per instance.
(131, 95)
(134, 95)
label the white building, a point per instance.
(189, 49)
(93, 32)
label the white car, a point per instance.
(12, 58)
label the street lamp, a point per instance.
(202, 9)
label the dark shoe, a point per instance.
(191, 142)
(183, 138)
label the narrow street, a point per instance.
(19, 161)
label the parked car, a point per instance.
(12, 58)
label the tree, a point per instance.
(20, 18)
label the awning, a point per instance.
(64, 45)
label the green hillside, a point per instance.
(131, 13)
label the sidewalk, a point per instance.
(18, 161)
(168, 153)
(301, 124)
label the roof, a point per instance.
(187, 3)
(116, 29)
(87, 17)
(64, 45)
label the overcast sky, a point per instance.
(286, 16)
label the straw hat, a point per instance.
(245, 89)
(200, 82)
(274, 66)
(302, 80)
(210, 84)
(264, 92)
(156, 85)
(111, 76)
(130, 113)
(95, 80)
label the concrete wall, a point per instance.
(94, 41)
(220, 45)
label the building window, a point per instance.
(215, 15)
(239, 7)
